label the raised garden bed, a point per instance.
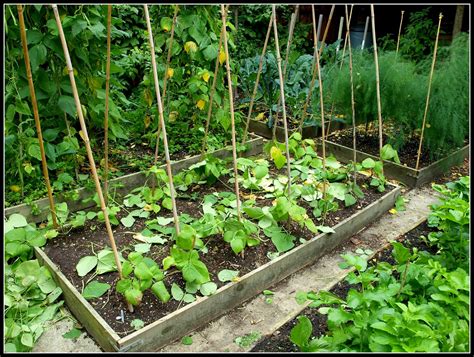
(411, 177)
(165, 323)
(310, 131)
(125, 184)
(279, 341)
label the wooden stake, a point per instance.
(365, 32)
(339, 33)
(379, 105)
(323, 41)
(211, 96)
(282, 96)
(340, 67)
(320, 23)
(399, 31)
(165, 80)
(429, 91)
(88, 146)
(44, 165)
(288, 46)
(162, 120)
(231, 104)
(106, 118)
(354, 159)
(255, 88)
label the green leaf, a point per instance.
(95, 289)
(349, 200)
(106, 262)
(301, 333)
(134, 296)
(282, 241)
(195, 270)
(338, 190)
(67, 105)
(34, 151)
(86, 264)
(128, 221)
(143, 272)
(208, 288)
(368, 163)
(254, 212)
(17, 220)
(160, 290)
(73, 334)
(167, 203)
(142, 247)
(260, 171)
(278, 158)
(326, 229)
(137, 324)
(38, 55)
(177, 292)
(227, 275)
(210, 52)
(400, 253)
(187, 340)
(27, 339)
(332, 163)
(339, 316)
(389, 153)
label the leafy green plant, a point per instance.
(146, 275)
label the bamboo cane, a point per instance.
(318, 67)
(282, 96)
(255, 88)
(339, 33)
(211, 96)
(399, 31)
(287, 55)
(36, 114)
(428, 94)
(231, 104)
(320, 23)
(340, 67)
(106, 118)
(88, 146)
(377, 76)
(365, 32)
(354, 159)
(323, 41)
(162, 120)
(165, 80)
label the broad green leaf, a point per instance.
(208, 288)
(95, 289)
(349, 200)
(134, 296)
(177, 292)
(86, 264)
(400, 253)
(38, 55)
(227, 275)
(160, 290)
(27, 339)
(34, 151)
(260, 171)
(137, 324)
(368, 163)
(17, 220)
(301, 333)
(67, 105)
(128, 221)
(187, 340)
(73, 334)
(282, 241)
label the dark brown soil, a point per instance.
(279, 341)
(66, 251)
(370, 144)
(454, 174)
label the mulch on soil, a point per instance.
(66, 251)
(279, 341)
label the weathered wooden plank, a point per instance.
(124, 185)
(190, 317)
(438, 168)
(409, 176)
(105, 336)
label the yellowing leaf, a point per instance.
(428, 125)
(190, 46)
(170, 72)
(81, 134)
(147, 121)
(249, 197)
(172, 117)
(260, 116)
(147, 207)
(221, 57)
(15, 188)
(200, 104)
(206, 76)
(393, 211)
(148, 97)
